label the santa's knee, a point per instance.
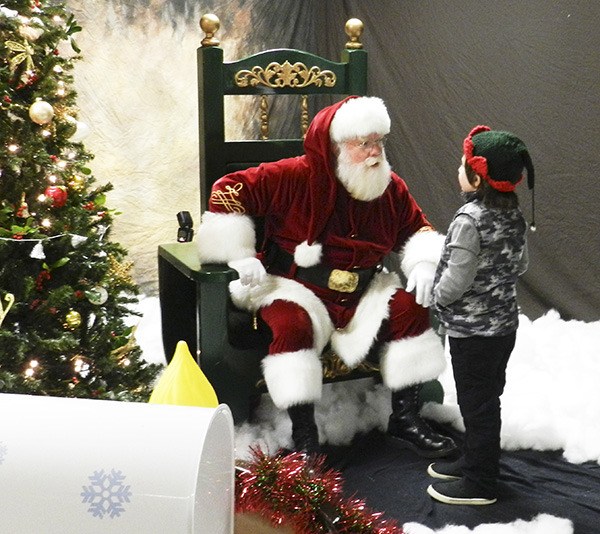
(406, 317)
(290, 326)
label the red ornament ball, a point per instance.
(58, 194)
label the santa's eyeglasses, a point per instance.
(368, 144)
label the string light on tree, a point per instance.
(80, 365)
(30, 371)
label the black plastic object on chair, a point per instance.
(185, 233)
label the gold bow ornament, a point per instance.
(24, 53)
(9, 298)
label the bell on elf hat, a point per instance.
(499, 158)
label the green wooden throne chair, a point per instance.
(194, 299)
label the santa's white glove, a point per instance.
(420, 280)
(251, 270)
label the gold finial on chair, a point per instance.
(210, 25)
(354, 29)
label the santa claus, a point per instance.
(331, 217)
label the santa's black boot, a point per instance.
(305, 434)
(409, 430)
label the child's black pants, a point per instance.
(479, 367)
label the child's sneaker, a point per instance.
(459, 492)
(446, 470)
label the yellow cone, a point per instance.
(183, 383)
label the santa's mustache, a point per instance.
(371, 161)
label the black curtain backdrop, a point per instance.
(442, 67)
(529, 67)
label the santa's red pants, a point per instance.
(292, 328)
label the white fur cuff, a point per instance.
(422, 246)
(293, 377)
(413, 360)
(223, 237)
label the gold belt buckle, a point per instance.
(342, 281)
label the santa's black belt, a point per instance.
(353, 280)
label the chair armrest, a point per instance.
(180, 277)
(184, 258)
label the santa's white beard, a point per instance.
(364, 181)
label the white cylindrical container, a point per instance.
(93, 466)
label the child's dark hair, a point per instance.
(491, 197)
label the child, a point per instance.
(475, 297)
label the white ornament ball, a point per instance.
(41, 112)
(97, 295)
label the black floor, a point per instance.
(394, 481)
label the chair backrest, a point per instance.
(272, 72)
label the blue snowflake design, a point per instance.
(3, 452)
(106, 494)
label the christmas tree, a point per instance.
(65, 289)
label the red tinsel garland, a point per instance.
(298, 491)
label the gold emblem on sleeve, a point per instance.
(342, 281)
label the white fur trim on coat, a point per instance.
(307, 255)
(422, 246)
(278, 288)
(223, 237)
(352, 343)
(293, 377)
(413, 360)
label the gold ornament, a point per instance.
(72, 320)
(9, 298)
(119, 272)
(77, 183)
(23, 53)
(121, 353)
(41, 112)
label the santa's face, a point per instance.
(363, 168)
